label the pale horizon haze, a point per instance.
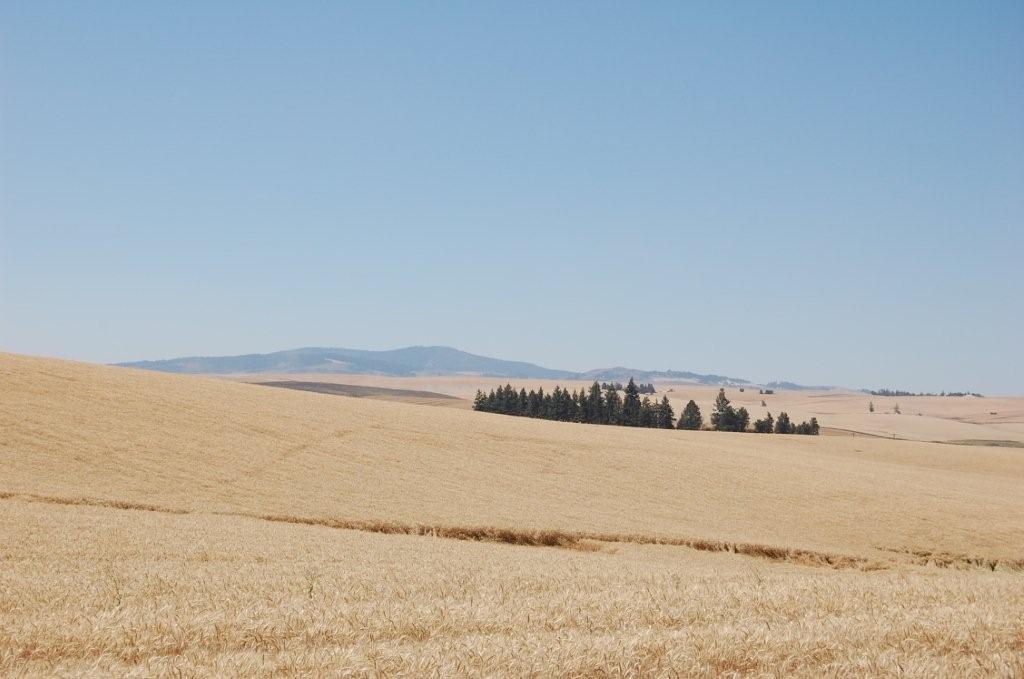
(827, 195)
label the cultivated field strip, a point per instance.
(76, 430)
(102, 592)
(579, 540)
(166, 526)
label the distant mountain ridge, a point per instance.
(412, 361)
(405, 362)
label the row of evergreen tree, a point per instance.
(596, 406)
(601, 404)
(727, 418)
(617, 386)
(900, 392)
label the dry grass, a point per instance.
(362, 391)
(987, 442)
(77, 430)
(156, 525)
(579, 540)
(845, 412)
(98, 591)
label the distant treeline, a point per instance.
(617, 386)
(596, 406)
(727, 418)
(898, 392)
(601, 404)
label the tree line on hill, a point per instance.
(601, 404)
(596, 406)
(727, 418)
(900, 392)
(617, 386)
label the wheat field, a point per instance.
(924, 418)
(159, 525)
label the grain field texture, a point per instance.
(160, 525)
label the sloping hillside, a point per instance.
(163, 526)
(72, 430)
(924, 418)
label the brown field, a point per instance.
(160, 525)
(924, 418)
(363, 391)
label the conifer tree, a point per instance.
(565, 413)
(724, 416)
(613, 407)
(631, 405)
(595, 405)
(691, 417)
(740, 420)
(764, 425)
(603, 405)
(646, 416)
(535, 401)
(666, 417)
(808, 428)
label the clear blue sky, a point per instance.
(766, 190)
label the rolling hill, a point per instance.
(203, 444)
(173, 525)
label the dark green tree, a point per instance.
(808, 428)
(783, 424)
(512, 399)
(647, 417)
(741, 420)
(631, 405)
(724, 416)
(765, 425)
(535, 403)
(594, 405)
(691, 418)
(613, 407)
(666, 416)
